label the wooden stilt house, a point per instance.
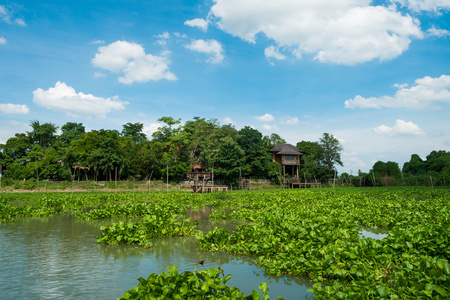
(289, 157)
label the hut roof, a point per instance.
(286, 149)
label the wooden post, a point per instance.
(149, 181)
(334, 179)
(37, 176)
(240, 179)
(167, 178)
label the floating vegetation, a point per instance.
(314, 233)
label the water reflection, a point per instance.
(57, 258)
(374, 233)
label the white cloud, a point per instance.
(265, 118)
(97, 42)
(131, 60)
(149, 129)
(3, 40)
(352, 158)
(164, 35)
(291, 120)
(335, 31)
(268, 127)
(424, 5)
(400, 128)
(163, 38)
(200, 23)
(272, 52)
(433, 31)
(99, 74)
(7, 16)
(227, 120)
(427, 91)
(20, 22)
(212, 47)
(63, 98)
(9, 108)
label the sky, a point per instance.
(375, 74)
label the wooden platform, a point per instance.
(209, 188)
(293, 185)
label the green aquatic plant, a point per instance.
(206, 284)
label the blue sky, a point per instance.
(375, 74)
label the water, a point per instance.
(57, 258)
(376, 234)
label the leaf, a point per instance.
(436, 272)
(227, 278)
(172, 269)
(184, 289)
(383, 291)
(255, 295)
(264, 286)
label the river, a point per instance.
(57, 258)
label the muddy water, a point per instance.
(57, 258)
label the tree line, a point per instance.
(107, 155)
(433, 171)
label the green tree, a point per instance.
(311, 165)
(388, 173)
(71, 131)
(256, 157)
(416, 166)
(331, 151)
(42, 134)
(272, 140)
(134, 132)
(228, 160)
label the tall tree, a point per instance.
(71, 131)
(415, 166)
(256, 157)
(312, 166)
(272, 140)
(331, 151)
(134, 131)
(42, 134)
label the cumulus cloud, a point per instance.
(265, 118)
(424, 5)
(2, 40)
(334, 31)
(268, 127)
(227, 120)
(150, 128)
(425, 93)
(131, 60)
(63, 98)
(199, 23)
(352, 158)
(433, 31)
(400, 128)
(212, 47)
(291, 120)
(272, 52)
(9, 108)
